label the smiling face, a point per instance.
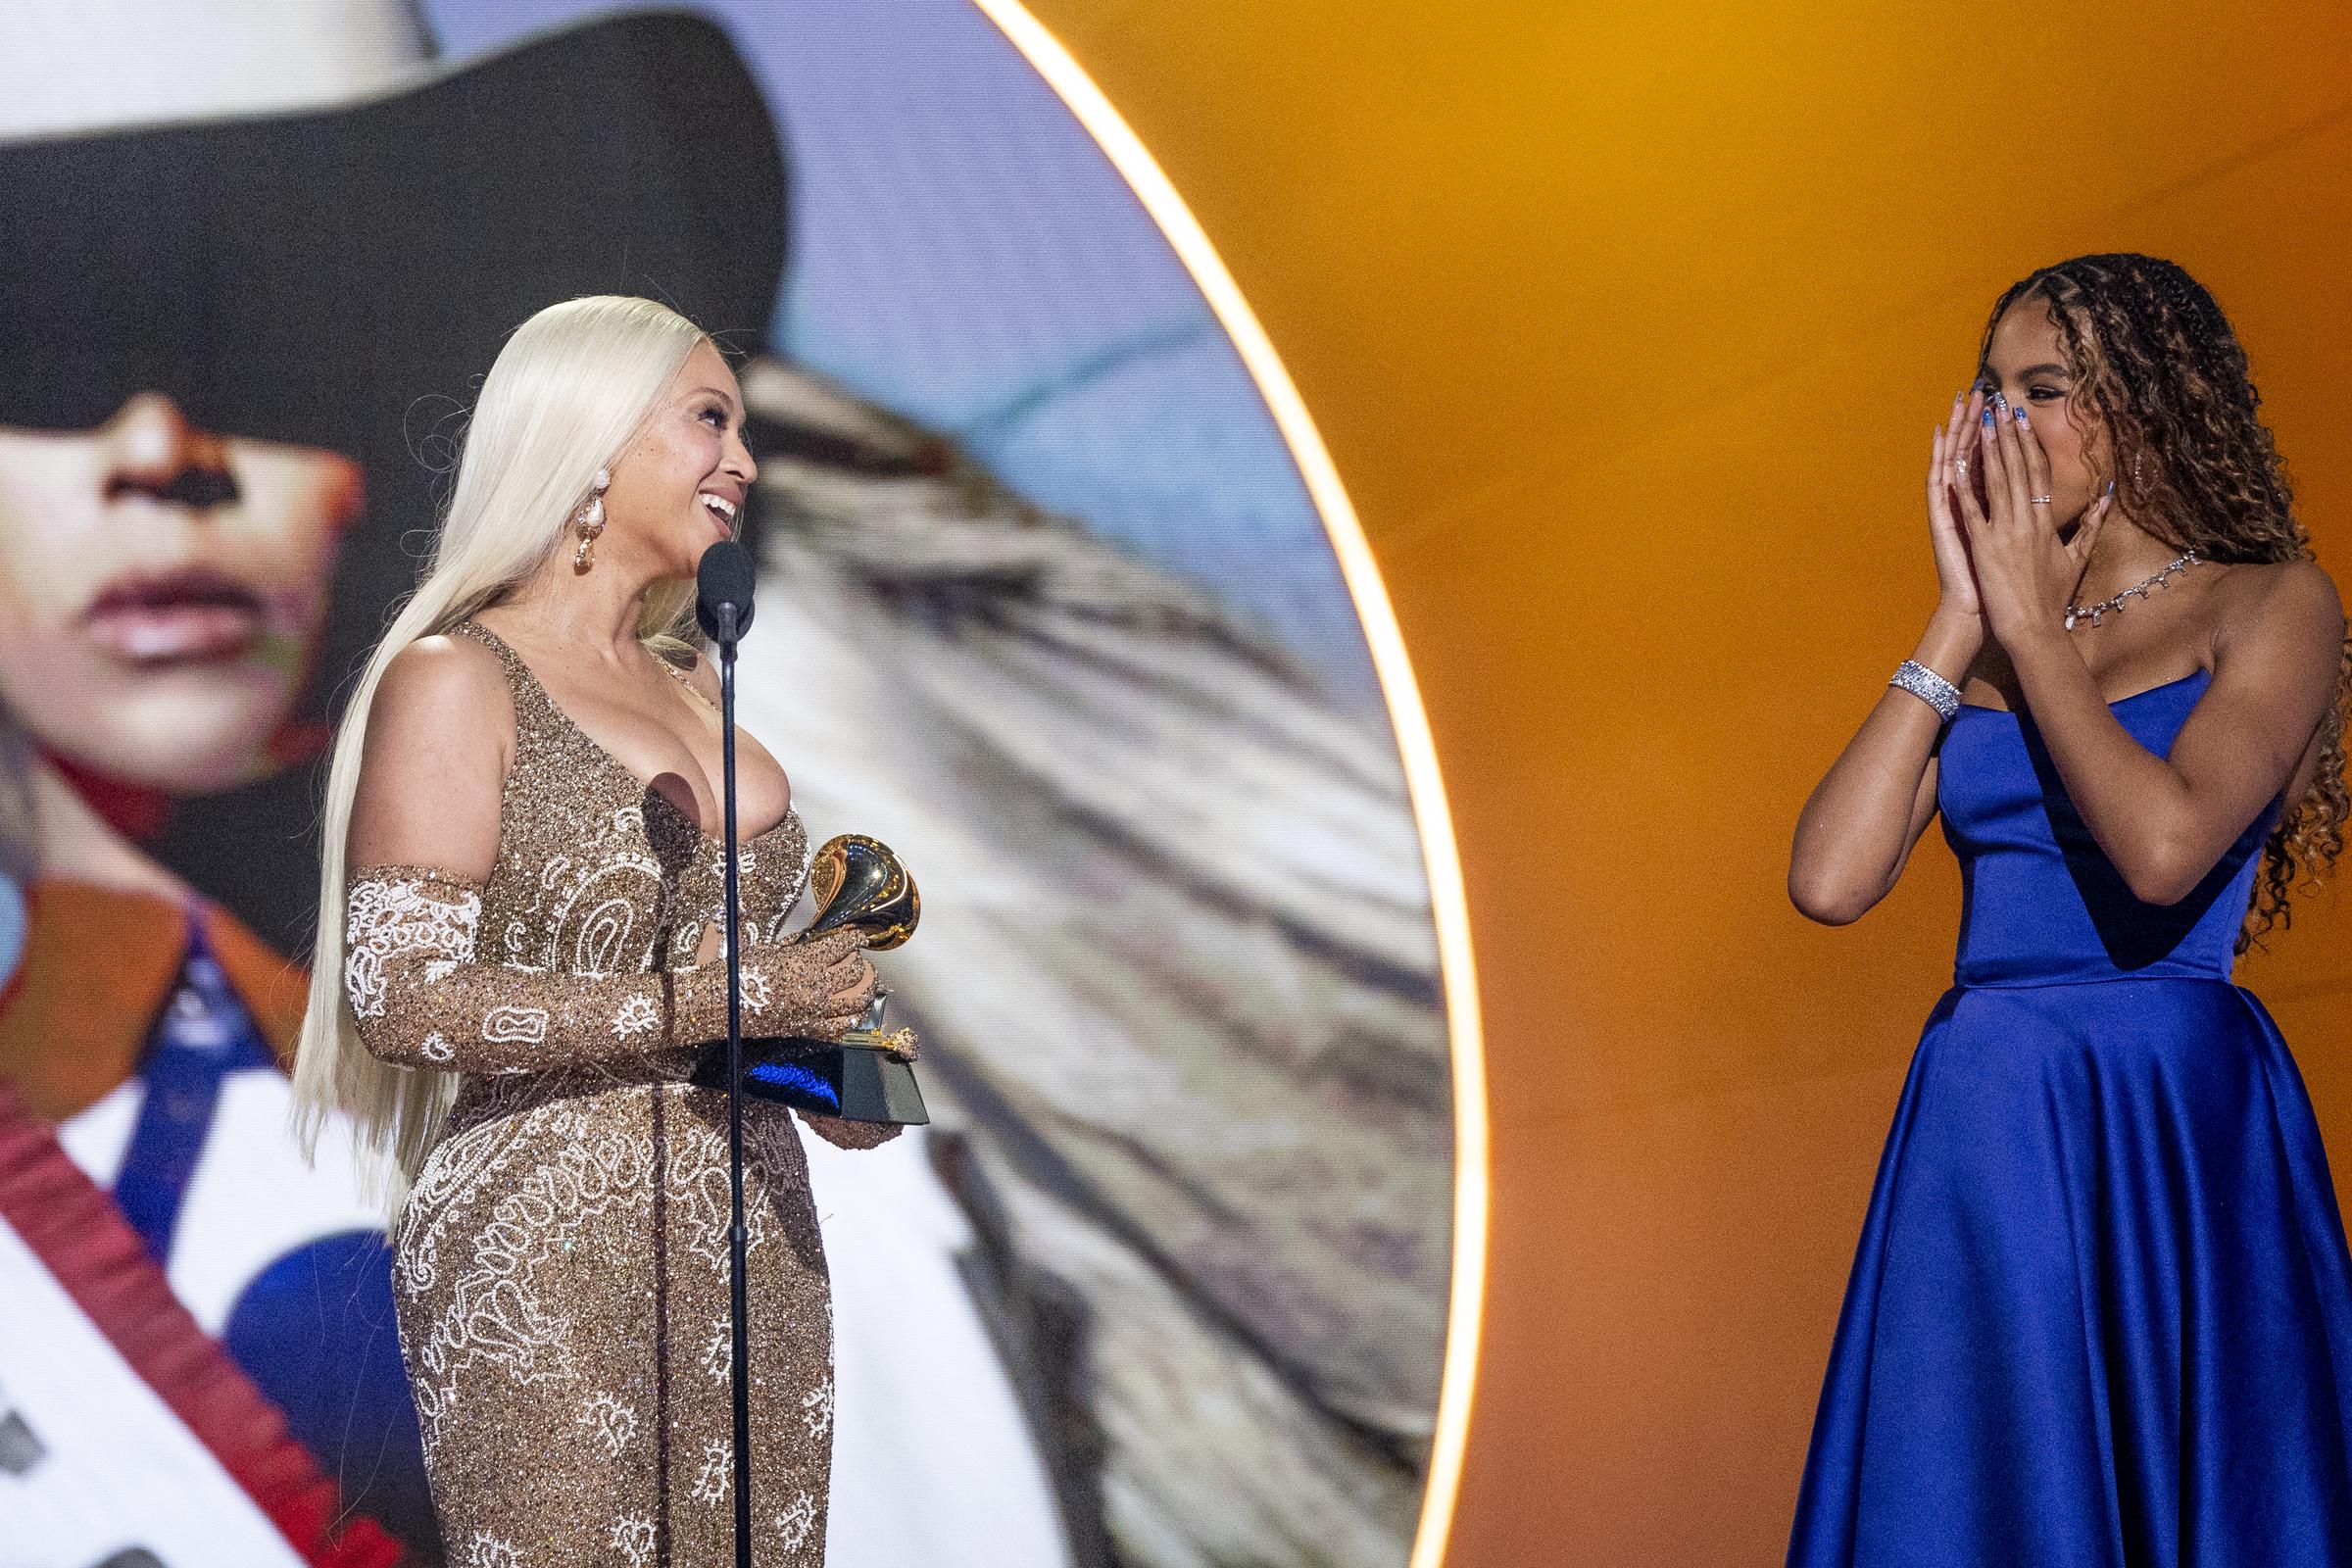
(161, 591)
(680, 486)
(2027, 363)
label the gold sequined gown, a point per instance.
(560, 1265)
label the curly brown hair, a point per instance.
(2158, 376)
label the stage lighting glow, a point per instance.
(1449, 904)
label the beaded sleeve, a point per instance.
(850, 1134)
(422, 999)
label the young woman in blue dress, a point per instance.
(2101, 1310)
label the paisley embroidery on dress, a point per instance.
(612, 1422)
(795, 1523)
(603, 934)
(485, 1551)
(634, 1539)
(390, 913)
(816, 1409)
(636, 1016)
(497, 1312)
(700, 1198)
(514, 1025)
(714, 1481)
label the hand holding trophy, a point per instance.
(864, 1076)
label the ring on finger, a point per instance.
(2038, 500)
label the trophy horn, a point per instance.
(859, 883)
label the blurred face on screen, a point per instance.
(161, 591)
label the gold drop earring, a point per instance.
(589, 521)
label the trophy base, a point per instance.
(827, 1077)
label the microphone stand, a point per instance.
(738, 1294)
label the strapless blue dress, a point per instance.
(2101, 1311)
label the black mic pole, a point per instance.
(738, 1294)
(724, 607)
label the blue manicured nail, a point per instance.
(2020, 412)
(1988, 419)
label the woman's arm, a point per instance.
(1859, 828)
(2163, 822)
(843, 1134)
(423, 839)
(1862, 821)
(422, 999)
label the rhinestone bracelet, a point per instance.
(1928, 686)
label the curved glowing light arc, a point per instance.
(1449, 902)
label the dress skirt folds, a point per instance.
(2101, 1312)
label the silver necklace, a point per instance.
(2162, 580)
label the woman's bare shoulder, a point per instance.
(442, 671)
(2279, 624)
(2268, 598)
(440, 732)
(441, 692)
(2279, 584)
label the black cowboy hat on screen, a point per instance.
(334, 274)
(298, 238)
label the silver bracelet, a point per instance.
(1928, 686)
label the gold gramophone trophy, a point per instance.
(864, 1076)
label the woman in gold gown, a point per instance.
(521, 832)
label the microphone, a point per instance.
(724, 582)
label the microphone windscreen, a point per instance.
(725, 577)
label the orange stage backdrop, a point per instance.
(1627, 326)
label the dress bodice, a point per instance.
(2041, 904)
(599, 872)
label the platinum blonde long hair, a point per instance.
(564, 398)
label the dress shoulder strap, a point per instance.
(534, 708)
(685, 678)
(470, 627)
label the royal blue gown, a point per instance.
(2101, 1311)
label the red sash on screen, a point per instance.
(116, 1366)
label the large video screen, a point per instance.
(1045, 605)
